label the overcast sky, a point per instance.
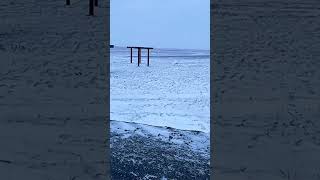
(161, 23)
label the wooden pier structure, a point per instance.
(139, 53)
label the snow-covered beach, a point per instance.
(165, 109)
(173, 91)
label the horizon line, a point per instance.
(166, 48)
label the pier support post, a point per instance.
(91, 8)
(131, 55)
(139, 56)
(148, 56)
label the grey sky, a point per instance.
(161, 23)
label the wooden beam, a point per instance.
(137, 47)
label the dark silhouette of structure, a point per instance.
(91, 8)
(92, 3)
(139, 53)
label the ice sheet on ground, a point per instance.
(172, 92)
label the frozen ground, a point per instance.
(146, 152)
(173, 91)
(160, 115)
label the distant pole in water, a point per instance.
(139, 56)
(131, 55)
(67, 2)
(96, 2)
(148, 56)
(91, 13)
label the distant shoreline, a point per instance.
(124, 47)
